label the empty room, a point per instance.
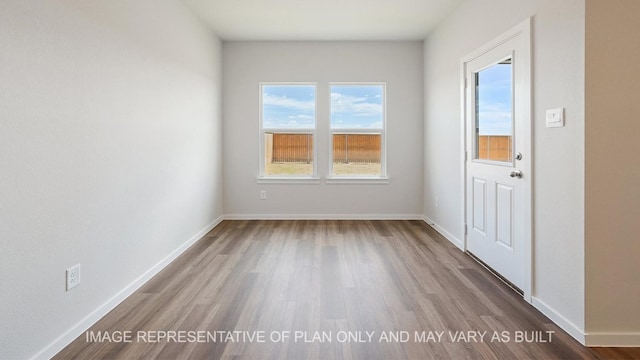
(285, 179)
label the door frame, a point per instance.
(522, 29)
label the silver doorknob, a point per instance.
(517, 174)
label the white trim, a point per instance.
(522, 29)
(618, 339)
(528, 145)
(463, 156)
(323, 217)
(78, 329)
(356, 131)
(564, 323)
(301, 131)
(447, 235)
(288, 180)
(363, 180)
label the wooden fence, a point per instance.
(290, 148)
(495, 147)
(298, 148)
(364, 148)
(356, 148)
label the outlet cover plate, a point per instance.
(73, 276)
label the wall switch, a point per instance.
(555, 117)
(73, 276)
(263, 194)
(437, 202)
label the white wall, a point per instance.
(558, 162)
(399, 64)
(612, 172)
(110, 155)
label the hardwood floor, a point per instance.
(327, 290)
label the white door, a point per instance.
(498, 155)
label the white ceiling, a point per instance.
(322, 19)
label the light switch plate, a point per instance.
(555, 117)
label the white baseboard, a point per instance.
(621, 339)
(65, 339)
(592, 339)
(323, 217)
(454, 240)
(564, 323)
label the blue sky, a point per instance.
(287, 106)
(494, 100)
(358, 107)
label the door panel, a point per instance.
(504, 215)
(479, 205)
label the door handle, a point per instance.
(516, 174)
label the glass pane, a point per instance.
(288, 154)
(356, 154)
(494, 119)
(357, 106)
(288, 106)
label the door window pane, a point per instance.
(494, 112)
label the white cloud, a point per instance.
(301, 117)
(290, 123)
(495, 119)
(358, 106)
(495, 115)
(494, 111)
(288, 103)
(345, 126)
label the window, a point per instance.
(358, 130)
(494, 109)
(287, 130)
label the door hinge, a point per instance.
(466, 154)
(465, 229)
(465, 83)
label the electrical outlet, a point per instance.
(73, 276)
(263, 194)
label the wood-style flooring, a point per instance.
(327, 290)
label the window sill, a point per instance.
(288, 180)
(356, 180)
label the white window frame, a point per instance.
(302, 179)
(360, 179)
